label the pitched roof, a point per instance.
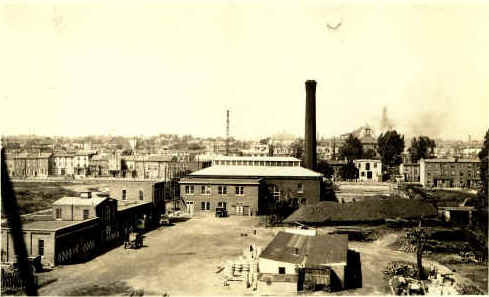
(215, 181)
(256, 171)
(308, 250)
(94, 201)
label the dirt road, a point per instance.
(183, 259)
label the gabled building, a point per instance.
(290, 253)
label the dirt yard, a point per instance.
(183, 259)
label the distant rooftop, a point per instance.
(451, 160)
(255, 171)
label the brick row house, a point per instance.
(449, 173)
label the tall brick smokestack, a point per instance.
(310, 135)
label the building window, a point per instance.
(367, 166)
(375, 165)
(58, 213)
(124, 195)
(276, 192)
(189, 190)
(222, 190)
(86, 212)
(205, 190)
(239, 190)
(300, 188)
(40, 247)
(205, 205)
(281, 270)
(221, 204)
(141, 195)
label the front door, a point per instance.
(190, 207)
(369, 174)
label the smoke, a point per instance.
(427, 124)
(385, 123)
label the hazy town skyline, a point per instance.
(145, 68)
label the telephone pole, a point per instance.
(227, 132)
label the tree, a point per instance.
(324, 168)
(483, 156)
(421, 148)
(349, 171)
(298, 148)
(369, 154)
(390, 145)
(351, 149)
(418, 238)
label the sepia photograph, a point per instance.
(244, 148)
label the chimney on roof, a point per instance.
(86, 195)
(310, 127)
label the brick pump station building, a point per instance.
(242, 185)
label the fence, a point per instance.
(12, 282)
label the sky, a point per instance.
(148, 67)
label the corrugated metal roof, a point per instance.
(259, 171)
(80, 201)
(310, 250)
(214, 181)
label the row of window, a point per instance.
(206, 190)
(141, 195)
(206, 205)
(239, 190)
(86, 213)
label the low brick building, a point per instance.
(152, 191)
(244, 190)
(450, 173)
(56, 241)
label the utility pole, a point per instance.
(227, 132)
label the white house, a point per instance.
(369, 170)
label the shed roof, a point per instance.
(256, 171)
(308, 250)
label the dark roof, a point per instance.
(209, 181)
(362, 211)
(308, 250)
